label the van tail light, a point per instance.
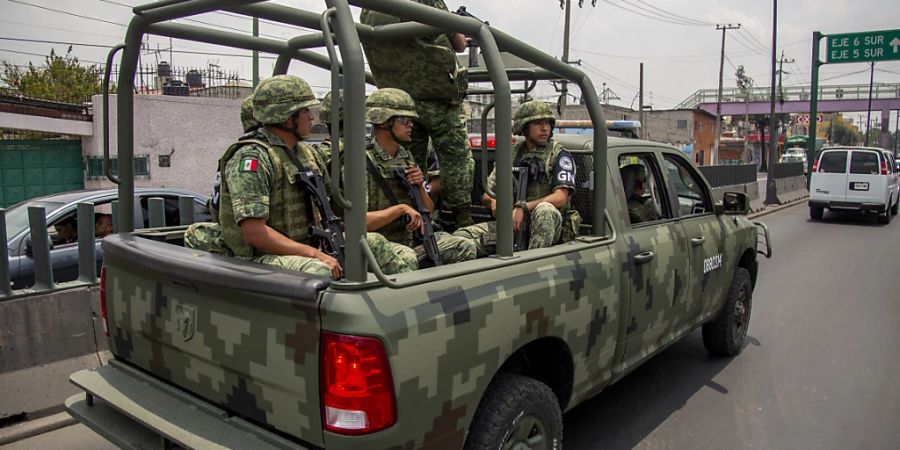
(103, 300)
(816, 165)
(356, 385)
(884, 168)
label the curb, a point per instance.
(775, 208)
(35, 427)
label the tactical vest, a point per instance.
(426, 68)
(540, 164)
(289, 208)
(395, 231)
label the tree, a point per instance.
(744, 81)
(60, 79)
(844, 134)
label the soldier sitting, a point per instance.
(640, 208)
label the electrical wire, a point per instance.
(674, 22)
(652, 11)
(59, 29)
(699, 22)
(68, 13)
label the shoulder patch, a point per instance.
(248, 165)
(566, 163)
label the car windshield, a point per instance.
(17, 216)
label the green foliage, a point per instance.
(844, 134)
(744, 81)
(60, 79)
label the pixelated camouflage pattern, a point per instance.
(528, 112)
(585, 308)
(444, 126)
(277, 98)
(324, 149)
(425, 67)
(641, 210)
(545, 230)
(385, 103)
(248, 123)
(206, 236)
(325, 109)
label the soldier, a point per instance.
(391, 111)
(324, 147)
(640, 209)
(248, 123)
(264, 215)
(551, 183)
(427, 69)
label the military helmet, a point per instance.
(247, 121)
(389, 102)
(529, 112)
(279, 97)
(325, 109)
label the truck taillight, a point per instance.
(816, 165)
(103, 300)
(356, 384)
(884, 168)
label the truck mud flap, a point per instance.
(133, 410)
(763, 238)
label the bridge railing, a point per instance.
(793, 93)
(38, 262)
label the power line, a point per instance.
(649, 16)
(699, 22)
(687, 22)
(42, 56)
(755, 41)
(59, 29)
(676, 59)
(68, 13)
(84, 44)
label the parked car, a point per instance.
(61, 213)
(862, 179)
(795, 154)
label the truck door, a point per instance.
(705, 274)
(655, 263)
(829, 182)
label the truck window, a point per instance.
(692, 199)
(862, 162)
(644, 191)
(833, 162)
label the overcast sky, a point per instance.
(610, 39)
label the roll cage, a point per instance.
(336, 30)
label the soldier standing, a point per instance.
(427, 69)
(391, 112)
(551, 183)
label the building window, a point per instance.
(165, 160)
(682, 124)
(95, 166)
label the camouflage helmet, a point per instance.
(325, 109)
(389, 102)
(529, 112)
(279, 97)
(247, 121)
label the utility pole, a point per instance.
(715, 154)
(771, 194)
(565, 56)
(781, 62)
(255, 54)
(641, 104)
(869, 113)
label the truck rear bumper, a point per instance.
(848, 206)
(133, 410)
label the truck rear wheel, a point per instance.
(885, 217)
(516, 412)
(816, 212)
(896, 207)
(725, 335)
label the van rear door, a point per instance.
(829, 182)
(865, 183)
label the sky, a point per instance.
(676, 40)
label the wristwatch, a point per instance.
(521, 204)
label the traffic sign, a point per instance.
(864, 47)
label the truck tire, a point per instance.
(516, 412)
(885, 217)
(896, 207)
(725, 335)
(816, 212)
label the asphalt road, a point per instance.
(821, 369)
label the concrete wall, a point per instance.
(194, 130)
(663, 126)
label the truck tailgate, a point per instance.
(242, 336)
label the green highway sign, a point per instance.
(863, 47)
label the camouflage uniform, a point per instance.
(248, 122)
(550, 167)
(324, 147)
(428, 70)
(640, 209)
(381, 106)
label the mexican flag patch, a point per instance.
(249, 165)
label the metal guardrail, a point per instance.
(40, 245)
(793, 93)
(729, 174)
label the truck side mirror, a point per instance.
(733, 204)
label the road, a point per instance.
(820, 370)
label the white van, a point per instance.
(860, 179)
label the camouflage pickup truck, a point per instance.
(216, 352)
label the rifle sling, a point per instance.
(380, 181)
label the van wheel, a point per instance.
(725, 335)
(896, 207)
(885, 217)
(516, 412)
(816, 212)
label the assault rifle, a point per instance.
(520, 186)
(329, 232)
(461, 11)
(432, 257)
